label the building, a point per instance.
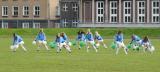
(79, 13)
(119, 12)
(27, 13)
(69, 13)
(54, 9)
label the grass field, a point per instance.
(78, 61)
(105, 32)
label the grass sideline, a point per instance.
(107, 32)
(79, 61)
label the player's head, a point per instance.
(146, 39)
(82, 32)
(62, 34)
(119, 32)
(79, 32)
(96, 32)
(133, 35)
(14, 34)
(41, 31)
(88, 30)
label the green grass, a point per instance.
(105, 32)
(79, 61)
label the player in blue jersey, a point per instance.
(135, 39)
(41, 40)
(135, 42)
(61, 42)
(17, 41)
(65, 37)
(80, 37)
(146, 44)
(90, 40)
(119, 42)
(99, 40)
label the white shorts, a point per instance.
(146, 44)
(139, 42)
(61, 44)
(120, 44)
(42, 42)
(17, 45)
(91, 42)
(100, 41)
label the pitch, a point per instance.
(78, 61)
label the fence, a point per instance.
(119, 25)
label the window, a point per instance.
(25, 10)
(75, 7)
(74, 23)
(65, 7)
(15, 10)
(36, 10)
(155, 12)
(57, 11)
(4, 0)
(127, 12)
(25, 0)
(25, 25)
(65, 23)
(4, 24)
(36, 25)
(4, 10)
(141, 11)
(113, 11)
(100, 12)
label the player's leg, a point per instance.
(87, 46)
(93, 45)
(117, 50)
(45, 45)
(125, 48)
(97, 44)
(22, 46)
(39, 43)
(59, 47)
(15, 47)
(149, 46)
(68, 48)
(145, 47)
(78, 45)
(104, 45)
(118, 47)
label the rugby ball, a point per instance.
(34, 42)
(97, 44)
(11, 47)
(152, 49)
(70, 44)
